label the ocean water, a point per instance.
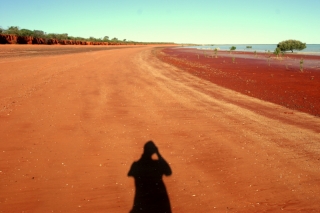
(311, 48)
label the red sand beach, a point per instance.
(73, 119)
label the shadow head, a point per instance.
(150, 148)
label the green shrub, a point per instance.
(291, 45)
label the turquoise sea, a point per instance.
(311, 48)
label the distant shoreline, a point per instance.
(312, 49)
(212, 45)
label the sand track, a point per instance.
(71, 125)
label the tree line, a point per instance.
(15, 30)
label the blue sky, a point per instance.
(180, 21)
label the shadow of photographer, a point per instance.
(151, 195)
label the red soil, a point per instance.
(279, 82)
(73, 119)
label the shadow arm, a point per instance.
(165, 166)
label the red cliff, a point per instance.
(14, 39)
(8, 39)
(24, 39)
(38, 41)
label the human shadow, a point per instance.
(151, 195)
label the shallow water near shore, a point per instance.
(311, 48)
